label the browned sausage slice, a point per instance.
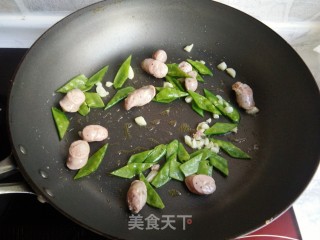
(137, 196)
(200, 184)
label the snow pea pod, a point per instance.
(205, 168)
(84, 110)
(93, 100)
(175, 71)
(122, 74)
(183, 155)
(231, 149)
(220, 128)
(200, 67)
(197, 109)
(95, 78)
(167, 95)
(175, 171)
(153, 198)
(172, 149)
(219, 163)
(206, 153)
(175, 82)
(78, 81)
(223, 106)
(61, 121)
(163, 176)
(132, 169)
(203, 103)
(156, 154)
(120, 94)
(93, 163)
(139, 157)
(190, 167)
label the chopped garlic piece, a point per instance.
(216, 116)
(109, 84)
(167, 85)
(229, 109)
(188, 99)
(222, 66)
(131, 73)
(203, 62)
(188, 48)
(317, 49)
(140, 121)
(100, 90)
(231, 72)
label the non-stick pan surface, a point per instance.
(282, 139)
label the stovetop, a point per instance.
(22, 216)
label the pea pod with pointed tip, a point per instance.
(93, 163)
(231, 149)
(61, 121)
(131, 170)
(120, 95)
(153, 198)
(122, 74)
(223, 105)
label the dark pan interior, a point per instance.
(282, 139)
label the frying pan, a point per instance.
(282, 139)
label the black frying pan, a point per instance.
(282, 139)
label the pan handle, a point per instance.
(7, 167)
(18, 187)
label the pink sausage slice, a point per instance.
(160, 55)
(155, 67)
(185, 67)
(78, 154)
(200, 184)
(72, 100)
(94, 133)
(244, 96)
(191, 84)
(140, 97)
(137, 196)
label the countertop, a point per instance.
(20, 31)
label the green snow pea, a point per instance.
(122, 74)
(153, 198)
(95, 78)
(191, 166)
(183, 155)
(222, 105)
(175, 82)
(139, 157)
(197, 109)
(93, 163)
(200, 67)
(163, 176)
(175, 171)
(206, 153)
(84, 110)
(231, 149)
(175, 71)
(61, 121)
(132, 169)
(220, 128)
(219, 163)
(156, 154)
(203, 103)
(167, 95)
(93, 100)
(120, 94)
(205, 168)
(78, 81)
(172, 149)
(198, 77)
